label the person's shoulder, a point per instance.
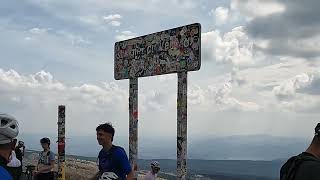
(148, 176)
(118, 149)
(289, 161)
(51, 153)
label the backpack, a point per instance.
(4, 174)
(44, 156)
(295, 165)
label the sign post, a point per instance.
(175, 50)
(133, 123)
(61, 142)
(182, 126)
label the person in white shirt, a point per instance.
(155, 168)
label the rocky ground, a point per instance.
(76, 169)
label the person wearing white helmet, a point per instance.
(9, 129)
(108, 176)
(155, 168)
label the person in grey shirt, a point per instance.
(46, 162)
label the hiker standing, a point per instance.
(305, 166)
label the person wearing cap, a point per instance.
(46, 162)
(15, 164)
(18, 151)
(9, 130)
(111, 159)
(305, 165)
(155, 168)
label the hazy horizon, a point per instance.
(260, 74)
(252, 147)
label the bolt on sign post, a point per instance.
(175, 50)
(61, 142)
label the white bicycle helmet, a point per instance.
(108, 176)
(9, 128)
(155, 164)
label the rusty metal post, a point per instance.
(182, 126)
(133, 124)
(61, 142)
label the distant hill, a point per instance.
(198, 169)
(256, 157)
(253, 147)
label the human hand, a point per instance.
(34, 173)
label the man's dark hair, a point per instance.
(106, 127)
(45, 140)
(316, 140)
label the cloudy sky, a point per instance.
(260, 69)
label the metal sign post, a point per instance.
(175, 50)
(133, 123)
(61, 142)
(182, 126)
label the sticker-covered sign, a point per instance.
(170, 51)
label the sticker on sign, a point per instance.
(170, 51)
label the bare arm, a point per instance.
(47, 167)
(130, 176)
(23, 148)
(95, 177)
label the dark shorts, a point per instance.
(45, 176)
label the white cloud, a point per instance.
(78, 8)
(208, 45)
(40, 94)
(39, 31)
(28, 38)
(154, 101)
(196, 95)
(91, 20)
(221, 15)
(74, 39)
(96, 20)
(219, 98)
(112, 17)
(305, 83)
(225, 101)
(115, 23)
(124, 35)
(235, 47)
(289, 87)
(254, 8)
